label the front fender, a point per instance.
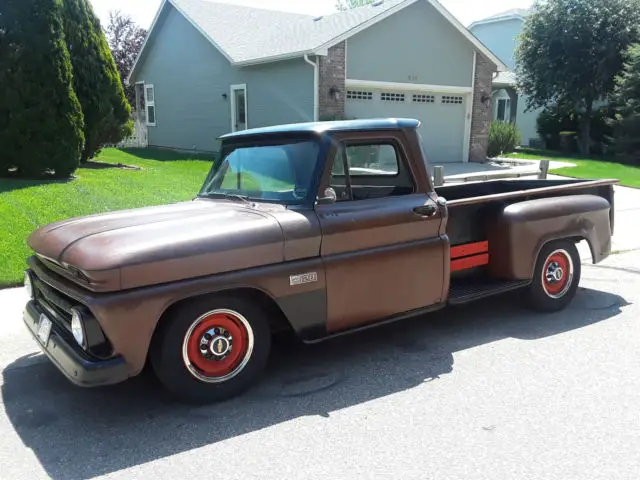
(520, 231)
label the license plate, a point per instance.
(44, 329)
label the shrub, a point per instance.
(503, 138)
(558, 125)
(40, 116)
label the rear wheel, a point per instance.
(211, 349)
(556, 277)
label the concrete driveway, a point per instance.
(489, 391)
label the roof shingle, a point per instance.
(247, 34)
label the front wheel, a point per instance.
(211, 349)
(556, 277)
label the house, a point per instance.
(209, 68)
(500, 34)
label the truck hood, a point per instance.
(152, 245)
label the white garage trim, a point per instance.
(469, 114)
(415, 87)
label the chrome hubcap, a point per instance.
(216, 344)
(555, 273)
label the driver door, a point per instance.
(381, 244)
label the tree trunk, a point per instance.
(584, 143)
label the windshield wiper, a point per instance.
(228, 196)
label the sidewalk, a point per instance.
(492, 170)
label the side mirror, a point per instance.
(329, 197)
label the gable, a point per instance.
(415, 45)
(500, 37)
(247, 36)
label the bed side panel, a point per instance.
(516, 235)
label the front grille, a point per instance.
(54, 302)
(58, 308)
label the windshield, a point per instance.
(281, 172)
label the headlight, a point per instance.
(77, 328)
(28, 285)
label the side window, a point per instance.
(372, 160)
(375, 170)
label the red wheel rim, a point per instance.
(557, 274)
(217, 345)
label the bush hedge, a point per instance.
(41, 121)
(504, 137)
(558, 126)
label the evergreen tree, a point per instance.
(40, 116)
(626, 101)
(96, 79)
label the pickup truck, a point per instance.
(321, 229)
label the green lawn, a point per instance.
(25, 205)
(628, 175)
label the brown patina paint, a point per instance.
(373, 259)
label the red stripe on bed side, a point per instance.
(469, 249)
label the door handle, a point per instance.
(426, 210)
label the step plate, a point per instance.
(468, 290)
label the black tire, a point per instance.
(171, 362)
(543, 295)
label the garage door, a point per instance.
(442, 116)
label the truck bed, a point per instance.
(471, 204)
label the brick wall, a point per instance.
(332, 74)
(481, 113)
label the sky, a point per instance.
(143, 11)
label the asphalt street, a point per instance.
(487, 391)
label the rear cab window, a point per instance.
(367, 169)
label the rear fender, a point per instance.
(519, 232)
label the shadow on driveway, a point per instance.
(81, 433)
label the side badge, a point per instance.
(303, 278)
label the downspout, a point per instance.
(316, 87)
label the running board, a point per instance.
(468, 290)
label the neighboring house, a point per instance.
(210, 68)
(499, 33)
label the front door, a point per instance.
(381, 244)
(238, 107)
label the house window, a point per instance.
(150, 104)
(392, 97)
(417, 98)
(359, 95)
(449, 99)
(503, 110)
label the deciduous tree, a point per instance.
(570, 51)
(125, 39)
(626, 101)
